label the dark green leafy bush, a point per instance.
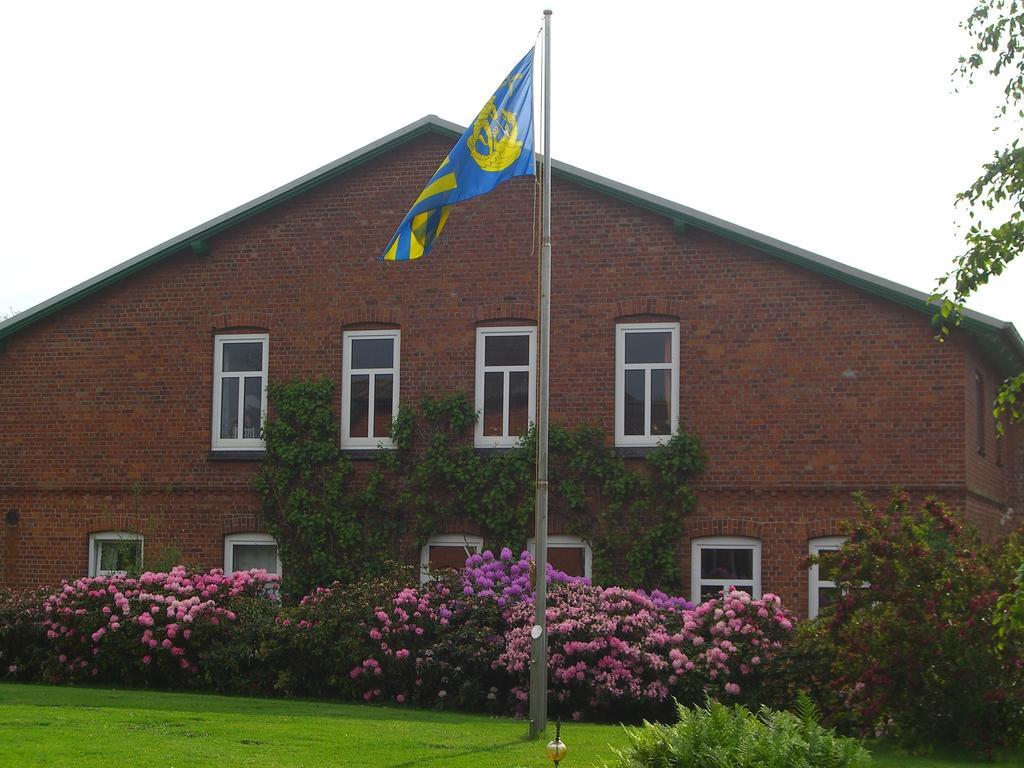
(717, 736)
(22, 635)
(913, 644)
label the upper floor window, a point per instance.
(447, 550)
(646, 383)
(369, 400)
(505, 384)
(114, 553)
(822, 590)
(239, 390)
(246, 551)
(720, 562)
(569, 554)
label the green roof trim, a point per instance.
(998, 339)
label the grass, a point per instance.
(83, 727)
(57, 726)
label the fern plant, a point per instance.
(717, 736)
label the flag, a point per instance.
(497, 146)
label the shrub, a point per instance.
(22, 636)
(622, 653)
(915, 647)
(146, 630)
(717, 735)
(464, 641)
(315, 645)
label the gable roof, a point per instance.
(999, 339)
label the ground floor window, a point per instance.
(822, 590)
(248, 551)
(569, 554)
(447, 550)
(725, 561)
(114, 553)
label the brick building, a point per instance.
(130, 405)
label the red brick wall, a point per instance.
(801, 388)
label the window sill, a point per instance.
(494, 450)
(237, 455)
(364, 454)
(635, 451)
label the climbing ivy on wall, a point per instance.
(334, 522)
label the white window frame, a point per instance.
(238, 443)
(474, 543)
(565, 541)
(814, 582)
(231, 539)
(347, 371)
(482, 334)
(723, 542)
(100, 537)
(647, 439)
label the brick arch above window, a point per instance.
(730, 526)
(505, 312)
(372, 316)
(241, 523)
(114, 521)
(648, 309)
(234, 321)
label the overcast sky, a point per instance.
(831, 126)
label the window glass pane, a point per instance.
(518, 402)
(708, 591)
(827, 596)
(648, 347)
(633, 401)
(661, 395)
(119, 555)
(506, 350)
(447, 556)
(229, 407)
(570, 560)
(245, 557)
(252, 407)
(714, 590)
(827, 566)
(727, 564)
(359, 405)
(243, 356)
(383, 388)
(373, 353)
(494, 402)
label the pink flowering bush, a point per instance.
(460, 641)
(612, 651)
(619, 652)
(149, 629)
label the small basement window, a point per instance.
(821, 585)
(725, 561)
(115, 553)
(569, 554)
(246, 551)
(447, 550)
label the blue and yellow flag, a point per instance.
(497, 146)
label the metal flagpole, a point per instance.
(539, 635)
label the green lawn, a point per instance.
(82, 727)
